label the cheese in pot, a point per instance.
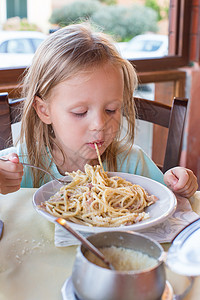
(123, 259)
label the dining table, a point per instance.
(33, 268)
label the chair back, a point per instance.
(171, 117)
(9, 114)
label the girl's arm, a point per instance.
(181, 181)
(11, 173)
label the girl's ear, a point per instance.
(42, 110)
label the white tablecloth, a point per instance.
(31, 267)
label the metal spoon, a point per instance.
(85, 242)
(61, 181)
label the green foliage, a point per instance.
(109, 2)
(155, 6)
(166, 11)
(20, 24)
(120, 21)
(74, 12)
(126, 22)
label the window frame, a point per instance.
(179, 37)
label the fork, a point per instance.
(61, 181)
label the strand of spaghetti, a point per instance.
(99, 157)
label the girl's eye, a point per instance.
(110, 111)
(79, 115)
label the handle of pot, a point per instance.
(182, 295)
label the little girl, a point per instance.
(76, 90)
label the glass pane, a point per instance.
(146, 46)
(19, 46)
(150, 39)
(3, 47)
(140, 27)
(36, 43)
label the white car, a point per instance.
(144, 46)
(18, 47)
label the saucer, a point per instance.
(68, 290)
(69, 294)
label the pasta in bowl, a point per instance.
(96, 200)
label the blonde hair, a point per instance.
(64, 54)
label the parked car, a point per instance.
(144, 46)
(18, 47)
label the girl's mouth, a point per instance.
(99, 144)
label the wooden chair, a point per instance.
(9, 114)
(171, 117)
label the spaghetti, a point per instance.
(99, 157)
(94, 199)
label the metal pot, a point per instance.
(92, 282)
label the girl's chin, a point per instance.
(92, 158)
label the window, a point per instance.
(179, 37)
(3, 47)
(148, 46)
(36, 43)
(19, 46)
(179, 30)
(16, 8)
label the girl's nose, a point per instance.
(98, 122)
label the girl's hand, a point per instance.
(11, 173)
(181, 181)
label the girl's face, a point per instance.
(83, 111)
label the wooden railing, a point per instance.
(10, 80)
